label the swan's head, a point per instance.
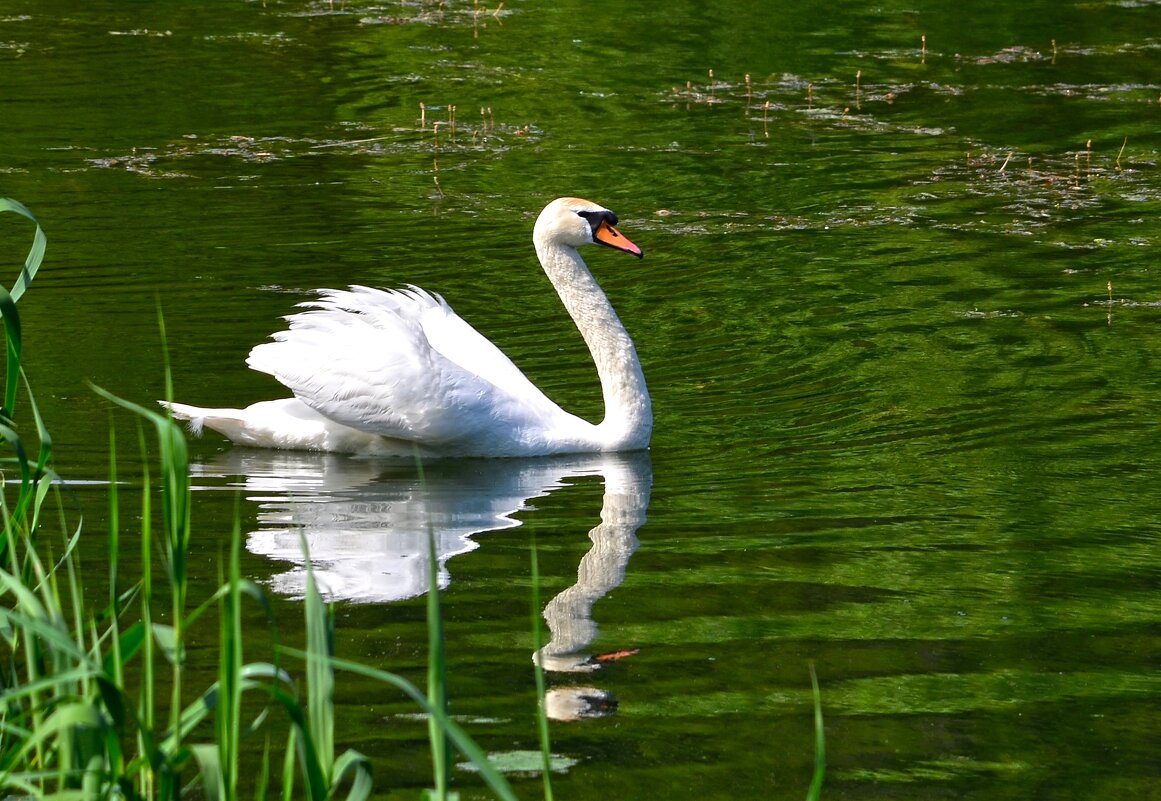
(575, 222)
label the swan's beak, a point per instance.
(608, 235)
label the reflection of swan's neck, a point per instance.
(628, 412)
(570, 614)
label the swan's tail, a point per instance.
(194, 415)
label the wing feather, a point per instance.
(400, 364)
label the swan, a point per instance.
(397, 372)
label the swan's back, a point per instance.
(403, 365)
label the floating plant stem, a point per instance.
(1121, 152)
(711, 86)
(923, 48)
(1005, 164)
(422, 116)
(435, 158)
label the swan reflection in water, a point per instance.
(365, 523)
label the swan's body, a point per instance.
(390, 372)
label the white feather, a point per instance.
(384, 371)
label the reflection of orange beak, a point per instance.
(608, 235)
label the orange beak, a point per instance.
(608, 235)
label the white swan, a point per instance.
(389, 372)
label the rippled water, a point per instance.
(898, 313)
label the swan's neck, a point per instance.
(628, 412)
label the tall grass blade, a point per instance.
(13, 339)
(14, 345)
(262, 785)
(436, 663)
(229, 712)
(319, 674)
(815, 791)
(316, 736)
(146, 709)
(288, 765)
(15, 518)
(174, 461)
(459, 738)
(35, 253)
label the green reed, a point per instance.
(815, 791)
(93, 701)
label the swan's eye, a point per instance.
(595, 218)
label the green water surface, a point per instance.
(899, 313)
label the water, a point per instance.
(905, 428)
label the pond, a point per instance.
(898, 313)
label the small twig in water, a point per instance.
(435, 176)
(923, 48)
(484, 122)
(1121, 151)
(1005, 164)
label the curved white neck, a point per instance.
(628, 411)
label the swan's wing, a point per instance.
(398, 364)
(449, 334)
